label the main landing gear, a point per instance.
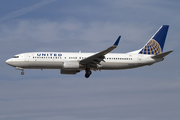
(88, 72)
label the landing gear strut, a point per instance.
(88, 73)
(22, 73)
(19, 68)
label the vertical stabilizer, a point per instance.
(156, 44)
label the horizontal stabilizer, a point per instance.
(162, 55)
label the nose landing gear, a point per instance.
(19, 68)
(22, 73)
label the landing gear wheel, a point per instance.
(88, 73)
(22, 73)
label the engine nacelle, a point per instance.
(70, 72)
(70, 65)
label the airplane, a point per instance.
(74, 62)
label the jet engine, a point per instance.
(71, 65)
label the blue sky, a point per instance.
(150, 92)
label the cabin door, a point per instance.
(26, 57)
(140, 58)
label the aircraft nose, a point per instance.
(9, 61)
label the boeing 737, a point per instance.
(72, 63)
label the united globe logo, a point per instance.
(151, 48)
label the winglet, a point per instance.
(98, 57)
(117, 41)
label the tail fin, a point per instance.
(156, 44)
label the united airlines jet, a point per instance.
(72, 63)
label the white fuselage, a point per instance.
(55, 60)
(72, 63)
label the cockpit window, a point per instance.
(15, 56)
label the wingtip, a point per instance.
(117, 41)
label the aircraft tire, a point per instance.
(22, 73)
(88, 73)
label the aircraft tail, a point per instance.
(156, 44)
(162, 55)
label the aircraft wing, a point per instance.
(98, 57)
